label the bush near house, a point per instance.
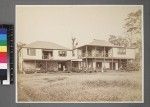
(85, 69)
(30, 71)
(75, 69)
(134, 66)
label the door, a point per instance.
(99, 65)
(62, 66)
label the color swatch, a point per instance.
(7, 54)
(3, 53)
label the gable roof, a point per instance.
(45, 45)
(97, 42)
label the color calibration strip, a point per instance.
(6, 54)
(3, 54)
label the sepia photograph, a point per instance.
(79, 54)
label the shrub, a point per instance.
(90, 70)
(135, 66)
(30, 71)
(75, 69)
(98, 70)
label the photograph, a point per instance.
(79, 54)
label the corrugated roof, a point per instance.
(45, 45)
(97, 42)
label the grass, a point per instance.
(80, 87)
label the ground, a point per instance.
(79, 87)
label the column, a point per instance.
(103, 64)
(86, 57)
(116, 66)
(112, 64)
(46, 66)
(35, 66)
(94, 65)
(23, 71)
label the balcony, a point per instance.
(95, 55)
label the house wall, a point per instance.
(37, 56)
(130, 53)
(77, 53)
(57, 57)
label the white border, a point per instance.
(82, 6)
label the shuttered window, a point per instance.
(31, 52)
(121, 51)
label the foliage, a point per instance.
(120, 41)
(75, 69)
(132, 67)
(133, 22)
(74, 44)
(30, 71)
(19, 47)
(133, 26)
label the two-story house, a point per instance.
(100, 55)
(44, 56)
(96, 55)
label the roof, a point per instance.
(97, 42)
(45, 45)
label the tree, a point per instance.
(74, 44)
(133, 26)
(118, 40)
(19, 48)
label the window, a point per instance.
(121, 51)
(73, 52)
(62, 53)
(31, 52)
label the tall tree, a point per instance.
(133, 26)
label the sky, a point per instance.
(59, 23)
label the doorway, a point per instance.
(62, 66)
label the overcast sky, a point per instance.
(59, 23)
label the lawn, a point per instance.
(79, 87)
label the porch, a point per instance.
(43, 66)
(100, 64)
(95, 52)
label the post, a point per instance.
(104, 60)
(112, 57)
(95, 59)
(23, 71)
(116, 64)
(112, 64)
(46, 66)
(71, 67)
(86, 57)
(78, 53)
(35, 66)
(120, 65)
